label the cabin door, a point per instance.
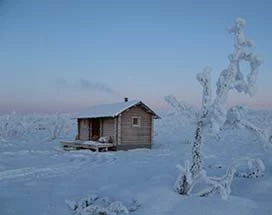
(95, 129)
(84, 129)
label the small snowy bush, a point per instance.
(94, 205)
(235, 115)
(184, 181)
(220, 185)
(15, 125)
(256, 169)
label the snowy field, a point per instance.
(37, 177)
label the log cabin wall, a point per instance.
(83, 129)
(136, 135)
(108, 128)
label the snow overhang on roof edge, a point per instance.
(105, 111)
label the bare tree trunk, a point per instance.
(196, 150)
(204, 79)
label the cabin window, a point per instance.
(136, 121)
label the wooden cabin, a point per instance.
(126, 125)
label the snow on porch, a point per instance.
(93, 145)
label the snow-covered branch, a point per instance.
(236, 116)
(232, 77)
(214, 113)
(220, 185)
(204, 79)
(181, 107)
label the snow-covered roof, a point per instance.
(111, 110)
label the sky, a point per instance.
(67, 55)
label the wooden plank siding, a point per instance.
(114, 140)
(108, 128)
(90, 129)
(119, 129)
(151, 129)
(84, 129)
(101, 128)
(136, 135)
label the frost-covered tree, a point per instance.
(14, 125)
(182, 108)
(213, 113)
(59, 125)
(236, 116)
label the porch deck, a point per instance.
(92, 145)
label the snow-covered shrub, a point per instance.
(11, 126)
(235, 115)
(183, 184)
(117, 207)
(95, 205)
(82, 203)
(220, 185)
(187, 141)
(54, 125)
(256, 169)
(59, 126)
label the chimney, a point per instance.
(125, 99)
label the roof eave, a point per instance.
(156, 116)
(94, 117)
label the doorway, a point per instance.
(95, 129)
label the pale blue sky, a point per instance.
(66, 55)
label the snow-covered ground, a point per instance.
(38, 177)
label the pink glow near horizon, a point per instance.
(155, 104)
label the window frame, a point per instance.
(138, 125)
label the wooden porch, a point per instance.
(91, 145)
